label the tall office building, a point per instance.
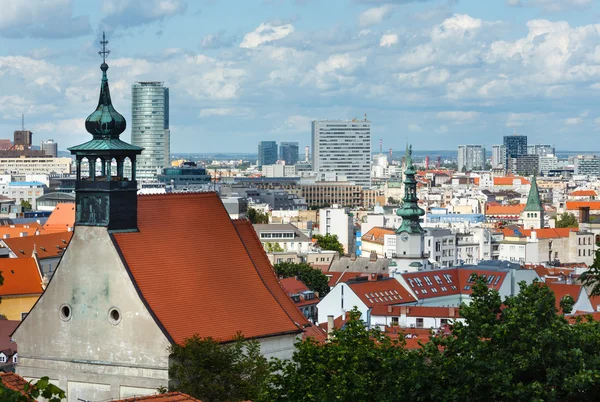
(588, 165)
(267, 153)
(471, 157)
(540, 149)
(514, 145)
(49, 147)
(498, 157)
(288, 152)
(342, 148)
(150, 128)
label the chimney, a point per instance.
(451, 311)
(329, 326)
(23, 234)
(373, 277)
(584, 214)
(390, 308)
(343, 315)
(373, 256)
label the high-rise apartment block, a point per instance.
(288, 152)
(514, 145)
(342, 148)
(267, 153)
(150, 128)
(49, 147)
(588, 165)
(498, 157)
(540, 149)
(471, 157)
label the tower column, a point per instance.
(92, 168)
(78, 164)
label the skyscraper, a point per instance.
(267, 153)
(49, 147)
(342, 148)
(150, 128)
(471, 157)
(288, 152)
(498, 157)
(514, 145)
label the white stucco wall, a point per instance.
(339, 300)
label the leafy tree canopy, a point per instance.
(330, 242)
(256, 216)
(42, 388)
(567, 220)
(313, 278)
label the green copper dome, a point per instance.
(105, 122)
(410, 211)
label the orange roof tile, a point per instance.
(546, 233)
(13, 381)
(504, 209)
(46, 245)
(168, 397)
(381, 292)
(584, 193)
(220, 271)
(416, 311)
(336, 277)
(292, 285)
(21, 277)
(61, 219)
(562, 289)
(12, 231)
(376, 234)
(575, 205)
(509, 180)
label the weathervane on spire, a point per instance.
(104, 52)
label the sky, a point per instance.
(436, 73)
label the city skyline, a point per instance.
(440, 72)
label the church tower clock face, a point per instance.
(404, 236)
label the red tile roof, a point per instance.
(415, 311)
(21, 277)
(46, 245)
(215, 282)
(453, 281)
(562, 289)
(61, 219)
(292, 285)
(336, 277)
(13, 381)
(504, 209)
(168, 397)
(575, 205)
(509, 180)
(546, 233)
(584, 193)
(381, 292)
(376, 235)
(16, 230)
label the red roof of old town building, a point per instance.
(382, 291)
(46, 245)
(21, 277)
(509, 180)
(213, 282)
(575, 205)
(504, 209)
(584, 193)
(61, 219)
(168, 397)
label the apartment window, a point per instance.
(419, 323)
(2, 359)
(394, 320)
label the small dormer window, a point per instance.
(2, 358)
(15, 359)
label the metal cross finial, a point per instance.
(104, 52)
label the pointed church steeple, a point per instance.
(533, 198)
(410, 211)
(532, 216)
(108, 197)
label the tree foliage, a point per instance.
(567, 220)
(42, 388)
(256, 216)
(211, 371)
(273, 247)
(519, 349)
(26, 205)
(313, 278)
(591, 277)
(330, 242)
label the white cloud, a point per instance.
(514, 3)
(457, 116)
(426, 77)
(129, 13)
(376, 15)
(223, 111)
(388, 40)
(414, 128)
(295, 124)
(459, 26)
(574, 121)
(266, 33)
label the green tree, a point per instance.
(567, 220)
(330, 242)
(256, 216)
(42, 388)
(273, 247)
(26, 205)
(591, 277)
(313, 278)
(212, 371)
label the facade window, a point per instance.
(2, 358)
(419, 323)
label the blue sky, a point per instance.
(436, 72)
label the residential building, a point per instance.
(471, 157)
(514, 145)
(102, 295)
(343, 148)
(305, 299)
(150, 128)
(587, 165)
(541, 149)
(39, 165)
(525, 165)
(429, 317)
(374, 242)
(9, 355)
(548, 163)
(288, 152)
(440, 246)
(332, 193)
(267, 153)
(22, 287)
(28, 191)
(337, 221)
(282, 237)
(498, 156)
(187, 176)
(279, 170)
(50, 148)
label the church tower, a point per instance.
(109, 198)
(410, 235)
(532, 216)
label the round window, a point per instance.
(114, 316)
(65, 312)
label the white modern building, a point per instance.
(471, 157)
(587, 165)
(540, 149)
(150, 128)
(50, 148)
(337, 221)
(342, 147)
(548, 163)
(498, 155)
(24, 166)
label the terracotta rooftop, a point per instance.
(509, 180)
(13, 381)
(376, 235)
(215, 283)
(46, 245)
(546, 233)
(11, 231)
(452, 281)
(584, 193)
(504, 209)
(292, 285)
(575, 205)
(381, 292)
(61, 219)
(562, 289)
(168, 397)
(416, 311)
(21, 277)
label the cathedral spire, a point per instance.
(410, 211)
(533, 198)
